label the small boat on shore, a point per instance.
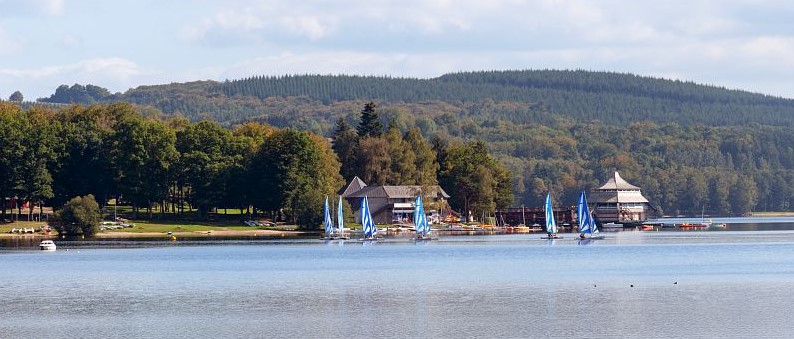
(47, 245)
(688, 225)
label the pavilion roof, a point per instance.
(617, 183)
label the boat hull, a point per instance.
(47, 245)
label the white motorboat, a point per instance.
(47, 245)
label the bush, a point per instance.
(78, 216)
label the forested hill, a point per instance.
(690, 147)
(611, 98)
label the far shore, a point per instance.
(200, 234)
(165, 231)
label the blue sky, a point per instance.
(120, 44)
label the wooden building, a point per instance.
(392, 204)
(618, 201)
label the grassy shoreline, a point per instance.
(166, 230)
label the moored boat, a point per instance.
(47, 245)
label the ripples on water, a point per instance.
(686, 284)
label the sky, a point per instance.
(122, 44)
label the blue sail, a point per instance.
(329, 225)
(583, 215)
(340, 220)
(592, 223)
(551, 225)
(420, 218)
(366, 220)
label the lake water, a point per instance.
(727, 284)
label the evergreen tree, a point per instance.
(370, 123)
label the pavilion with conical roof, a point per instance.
(619, 201)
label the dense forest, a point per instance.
(690, 147)
(113, 152)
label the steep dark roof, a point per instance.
(395, 192)
(355, 185)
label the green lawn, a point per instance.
(6, 228)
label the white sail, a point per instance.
(583, 215)
(329, 225)
(340, 221)
(551, 225)
(366, 220)
(420, 218)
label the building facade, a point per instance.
(618, 201)
(393, 204)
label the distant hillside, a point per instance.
(690, 147)
(610, 98)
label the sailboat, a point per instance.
(587, 225)
(420, 220)
(340, 221)
(370, 230)
(551, 225)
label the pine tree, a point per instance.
(370, 124)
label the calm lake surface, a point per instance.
(726, 284)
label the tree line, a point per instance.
(114, 152)
(612, 98)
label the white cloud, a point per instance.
(738, 43)
(226, 21)
(311, 27)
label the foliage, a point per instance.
(691, 148)
(370, 125)
(16, 97)
(292, 172)
(345, 146)
(474, 179)
(80, 215)
(312, 102)
(88, 94)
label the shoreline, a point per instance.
(165, 236)
(202, 234)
